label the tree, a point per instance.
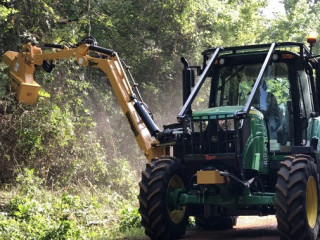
(301, 17)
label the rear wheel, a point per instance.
(297, 198)
(160, 218)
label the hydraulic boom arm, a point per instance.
(22, 65)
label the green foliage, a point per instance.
(4, 12)
(4, 83)
(34, 212)
(130, 218)
(58, 137)
(301, 17)
(76, 135)
(280, 89)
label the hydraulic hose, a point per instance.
(52, 45)
(102, 50)
(146, 118)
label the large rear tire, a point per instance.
(297, 198)
(160, 218)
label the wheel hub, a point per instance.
(312, 201)
(176, 215)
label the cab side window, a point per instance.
(305, 102)
(274, 101)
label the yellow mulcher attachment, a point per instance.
(22, 65)
(22, 75)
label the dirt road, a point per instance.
(248, 228)
(263, 228)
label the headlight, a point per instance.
(226, 124)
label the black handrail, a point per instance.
(259, 79)
(303, 48)
(186, 106)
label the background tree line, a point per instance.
(77, 134)
(78, 124)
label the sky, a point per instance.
(275, 6)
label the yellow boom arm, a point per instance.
(22, 66)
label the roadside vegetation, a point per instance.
(60, 179)
(32, 211)
(69, 166)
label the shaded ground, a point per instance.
(263, 228)
(248, 228)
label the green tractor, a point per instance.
(246, 143)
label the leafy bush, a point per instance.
(67, 137)
(130, 218)
(4, 83)
(92, 190)
(34, 212)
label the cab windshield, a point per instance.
(232, 86)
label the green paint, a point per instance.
(214, 113)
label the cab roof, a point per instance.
(299, 48)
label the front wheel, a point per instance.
(297, 198)
(160, 218)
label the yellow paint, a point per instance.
(211, 177)
(312, 202)
(176, 215)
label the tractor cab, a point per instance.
(229, 89)
(251, 106)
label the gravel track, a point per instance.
(263, 228)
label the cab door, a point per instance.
(306, 108)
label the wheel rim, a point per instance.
(176, 215)
(312, 201)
